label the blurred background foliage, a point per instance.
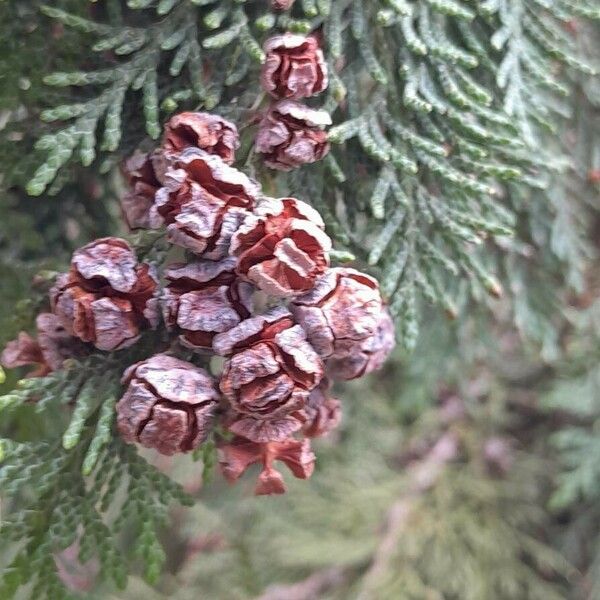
(467, 469)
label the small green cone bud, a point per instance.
(493, 287)
(169, 105)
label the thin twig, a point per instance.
(423, 476)
(311, 588)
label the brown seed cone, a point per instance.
(282, 247)
(24, 351)
(323, 412)
(203, 201)
(169, 404)
(137, 205)
(106, 298)
(210, 133)
(367, 355)
(268, 375)
(47, 353)
(238, 454)
(292, 135)
(294, 67)
(341, 316)
(203, 298)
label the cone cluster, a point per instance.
(242, 251)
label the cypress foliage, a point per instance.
(462, 174)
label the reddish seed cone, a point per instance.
(107, 298)
(340, 310)
(292, 135)
(138, 206)
(346, 322)
(210, 133)
(294, 67)
(47, 352)
(239, 454)
(169, 405)
(22, 352)
(367, 356)
(203, 202)
(203, 298)
(268, 375)
(282, 247)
